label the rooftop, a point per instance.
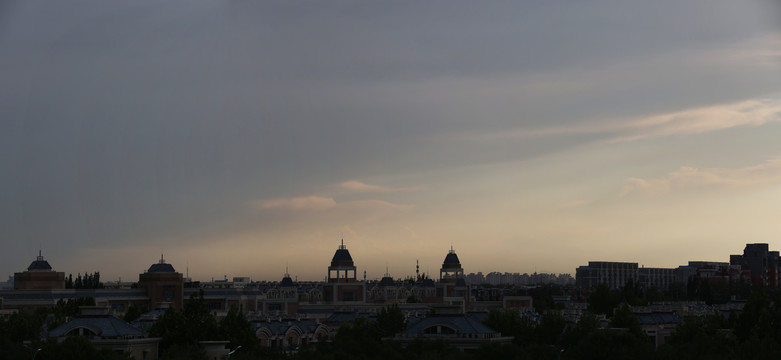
(342, 257)
(104, 326)
(39, 264)
(451, 258)
(161, 266)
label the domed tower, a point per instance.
(451, 269)
(341, 266)
(343, 285)
(386, 290)
(287, 282)
(39, 276)
(283, 299)
(287, 288)
(452, 288)
(163, 285)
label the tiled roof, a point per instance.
(161, 268)
(461, 323)
(452, 258)
(387, 281)
(39, 265)
(342, 255)
(105, 326)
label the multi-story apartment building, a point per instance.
(763, 264)
(613, 274)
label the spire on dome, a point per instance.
(162, 266)
(39, 264)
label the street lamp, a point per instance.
(234, 350)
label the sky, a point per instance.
(241, 138)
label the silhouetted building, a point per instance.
(290, 334)
(763, 264)
(108, 332)
(425, 291)
(659, 278)
(283, 299)
(613, 274)
(462, 331)
(343, 285)
(452, 287)
(163, 285)
(39, 276)
(451, 269)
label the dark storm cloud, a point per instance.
(133, 121)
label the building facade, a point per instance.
(39, 276)
(613, 274)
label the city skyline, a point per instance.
(484, 275)
(241, 138)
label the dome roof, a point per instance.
(161, 266)
(286, 282)
(387, 281)
(39, 264)
(342, 257)
(451, 260)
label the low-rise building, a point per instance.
(108, 331)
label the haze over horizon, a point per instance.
(241, 137)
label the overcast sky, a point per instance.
(240, 137)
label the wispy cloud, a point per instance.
(753, 112)
(319, 203)
(357, 186)
(313, 203)
(376, 204)
(328, 199)
(764, 50)
(700, 120)
(688, 177)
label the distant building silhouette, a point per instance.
(343, 285)
(763, 264)
(611, 273)
(163, 285)
(452, 288)
(757, 264)
(106, 331)
(39, 276)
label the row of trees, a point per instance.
(755, 333)
(89, 281)
(181, 332)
